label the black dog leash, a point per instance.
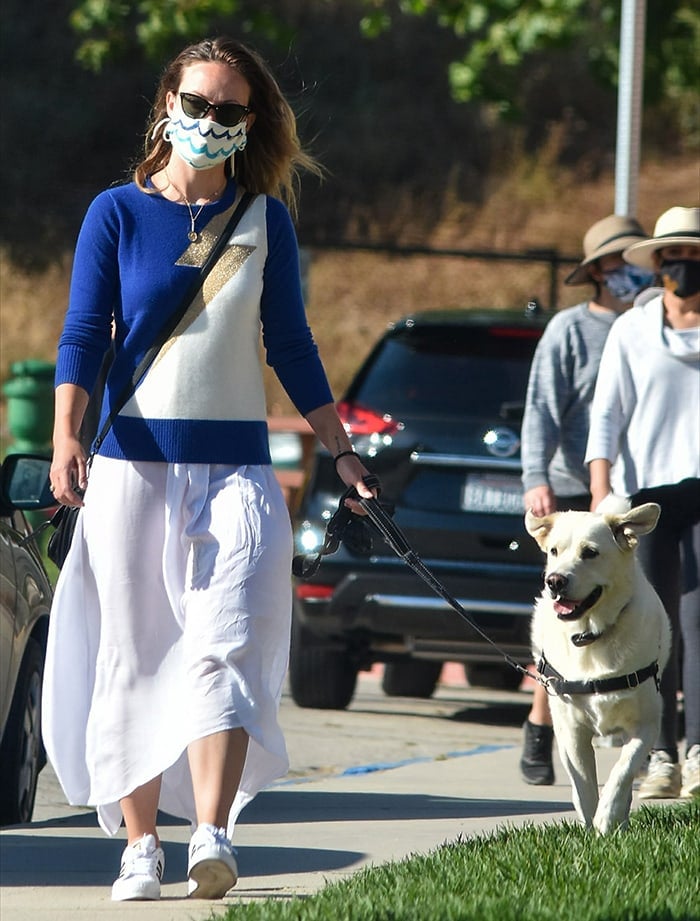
(302, 567)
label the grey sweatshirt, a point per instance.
(645, 417)
(559, 395)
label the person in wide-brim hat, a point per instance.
(612, 234)
(676, 227)
(644, 443)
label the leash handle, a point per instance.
(305, 565)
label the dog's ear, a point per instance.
(538, 528)
(628, 528)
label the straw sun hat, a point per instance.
(612, 234)
(676, 227)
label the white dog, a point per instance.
(602, 639)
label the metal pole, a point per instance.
(629, 105)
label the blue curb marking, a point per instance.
(392, 765)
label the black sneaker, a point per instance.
(536, 763)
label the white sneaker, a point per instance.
(691, 772)
(141, 871)
(663, 780)
(212, 868)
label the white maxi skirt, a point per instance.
(170, 622)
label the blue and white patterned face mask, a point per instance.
(627, 281)
(201, 142)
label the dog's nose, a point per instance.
(556, 583)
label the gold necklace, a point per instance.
(193, 235)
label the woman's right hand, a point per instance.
(68, 473)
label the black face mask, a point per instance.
(681, 276)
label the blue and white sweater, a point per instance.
(202, 400)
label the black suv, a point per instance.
(435, 412)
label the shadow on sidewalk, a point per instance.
(58, 861)
(284, 806)
(78, 854)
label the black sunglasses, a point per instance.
(227, 114)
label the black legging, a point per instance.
(670, 556)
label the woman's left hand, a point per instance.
(352, 471)
(327, 425)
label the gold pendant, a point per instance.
(193, 236)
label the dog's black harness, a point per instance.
(558, 685)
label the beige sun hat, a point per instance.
(676, 227)
(610, 235)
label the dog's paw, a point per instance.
(607, 824)
(613, 810)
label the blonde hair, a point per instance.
(273, 156)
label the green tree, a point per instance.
(111, 28)
(503, 37)
(504, 41)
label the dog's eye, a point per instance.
(553, 551)
(589, 553)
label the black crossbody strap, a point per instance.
(172, 321)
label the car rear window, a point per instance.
(449, 371)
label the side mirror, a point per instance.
(24, 482)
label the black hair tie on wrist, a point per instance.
(343, 454)
(370, 480)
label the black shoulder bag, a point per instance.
(65, 518)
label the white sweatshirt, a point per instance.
(645, 416)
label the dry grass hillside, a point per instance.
(352, 296)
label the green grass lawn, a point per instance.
(555, 872)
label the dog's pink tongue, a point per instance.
(564, 606)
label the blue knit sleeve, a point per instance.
(288, 341)
(94, 289)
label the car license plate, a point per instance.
(497, 494)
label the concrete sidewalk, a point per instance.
(292, 840)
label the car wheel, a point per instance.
(498, 677)
(22, 751)
(319, 677)
(411, 678)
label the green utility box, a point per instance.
(30, 407)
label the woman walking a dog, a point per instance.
(169, 633)
(644, 442)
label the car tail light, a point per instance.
(359, 420)
(313, 592)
